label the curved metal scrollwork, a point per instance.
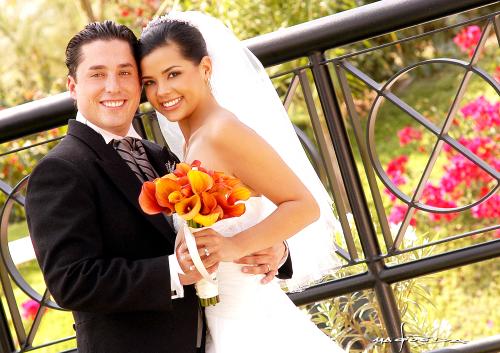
(5, 253)
(441, 133)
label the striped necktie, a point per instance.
(133, 153)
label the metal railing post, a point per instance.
(356, 197)
(6, 342)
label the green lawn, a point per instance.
(18, 230)
(55, 324)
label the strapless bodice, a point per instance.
(255, 317)
(236, 287)
(254, 213)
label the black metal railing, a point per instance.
(337, 131)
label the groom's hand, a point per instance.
(266, 262)
(191, 274)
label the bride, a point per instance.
(216, 104)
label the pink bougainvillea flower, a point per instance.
(489, 209)
(395, 171)
(461, 180)
(496, 75)
(435, 196)
(462, 175)
(389, 193)
(29, 309)
(467, 39)
(398, 213)
(486, 115)
(408, 134)
(397, 166)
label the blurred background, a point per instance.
(455, 304)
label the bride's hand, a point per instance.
(217, 246)
(191, 274)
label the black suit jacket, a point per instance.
(101, 256)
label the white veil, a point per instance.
(241, 85)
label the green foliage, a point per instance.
(14, 166)
(35, 40)
(355, 320)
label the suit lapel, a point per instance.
(119, 173)
(162, 160)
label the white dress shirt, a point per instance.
(175, 268)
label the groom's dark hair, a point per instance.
(107, 30)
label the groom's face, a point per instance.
(106, 87)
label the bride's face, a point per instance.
(174, 85)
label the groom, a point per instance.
(116, 268)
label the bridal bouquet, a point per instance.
(201, 197)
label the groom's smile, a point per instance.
(106, 87)
(113, 104)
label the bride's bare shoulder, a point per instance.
(225, 126)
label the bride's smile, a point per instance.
(172, 104)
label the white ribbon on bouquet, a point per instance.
(208, 286)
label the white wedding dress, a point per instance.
(253, 317)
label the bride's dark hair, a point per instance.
(162, 32)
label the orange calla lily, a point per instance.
(229, 210)
(189, 207)
(231, 182)
(210, 211)
(234, 210)
(196, 165)
(147, 199)
(187, 191)
(240, 193)
(199, 181)
(221, 199)
(164, 187)
(220, 189)
(195, 194)
(175, 197)
(219, 210)
(181, 169)
(209, 203)
(183, 180)
(207, 220)
(170, 176)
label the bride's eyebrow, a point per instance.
(169, 68)
(163, 72)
